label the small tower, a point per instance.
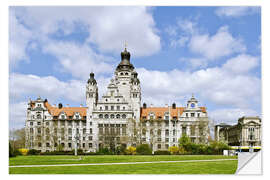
(192, 103)
(136, 95)
(91, 92)
(123, 75)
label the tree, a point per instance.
(17, 138)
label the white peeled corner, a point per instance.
(249, 163)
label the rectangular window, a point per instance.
(69, 131)
(31, 123)
(39, 123)
(90, 138)
(192, 114)
(69, 138)
(184, 130)
(186, 114)
(159, 146)
(90, 123)
(118, 108)
(70, 123)
(106, 107)
(69, 145)
(159, 139)
(31, 130)
(123, 131)
(84, 130)
(91, 131)
(47, 123)
(112, 108)
(167, 139)
(90, 145)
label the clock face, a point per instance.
(192, 105)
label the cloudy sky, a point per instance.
(213, 52)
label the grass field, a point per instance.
(213, 167)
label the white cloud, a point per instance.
(241, 63)
(230, 115)
(79, 60)
(220, 44)
(23, 85)
(19, 37)
(107, 27)
(17, 114)
(216, 85)
(237, 11)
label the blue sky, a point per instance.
(213, 52)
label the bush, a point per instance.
(143, 149)
(174, 150)
(58, 153)
(159, 152)
(33, 152)
(104, 151)
(130, 150)
(24, 152)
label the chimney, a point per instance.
(144, 106)
(60, 105)
(174, 106)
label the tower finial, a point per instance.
(125, 44)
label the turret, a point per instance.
(91, 92)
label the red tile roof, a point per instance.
(55, 111)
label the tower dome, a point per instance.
(125, 61)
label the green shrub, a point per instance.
(143, 149)
(159, 152)
(33, 152)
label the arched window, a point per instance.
(124, 116)
(126, 73)
(38, 116)
(100, 116)
(106, 116)
(121, 73)
(112, 116)
(117, 116)
(159, 132)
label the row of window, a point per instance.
(112, 116)
(174, 118)
(62, 123)
(112, 108)
(69, 145)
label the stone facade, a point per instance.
(116, 119)
(247, 132)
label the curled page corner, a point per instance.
(249, 163)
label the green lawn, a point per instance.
(218, 167)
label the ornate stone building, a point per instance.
(247, 132)
(116, 119)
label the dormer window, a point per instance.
(77, 116)
(39, 105)
(62, 116)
